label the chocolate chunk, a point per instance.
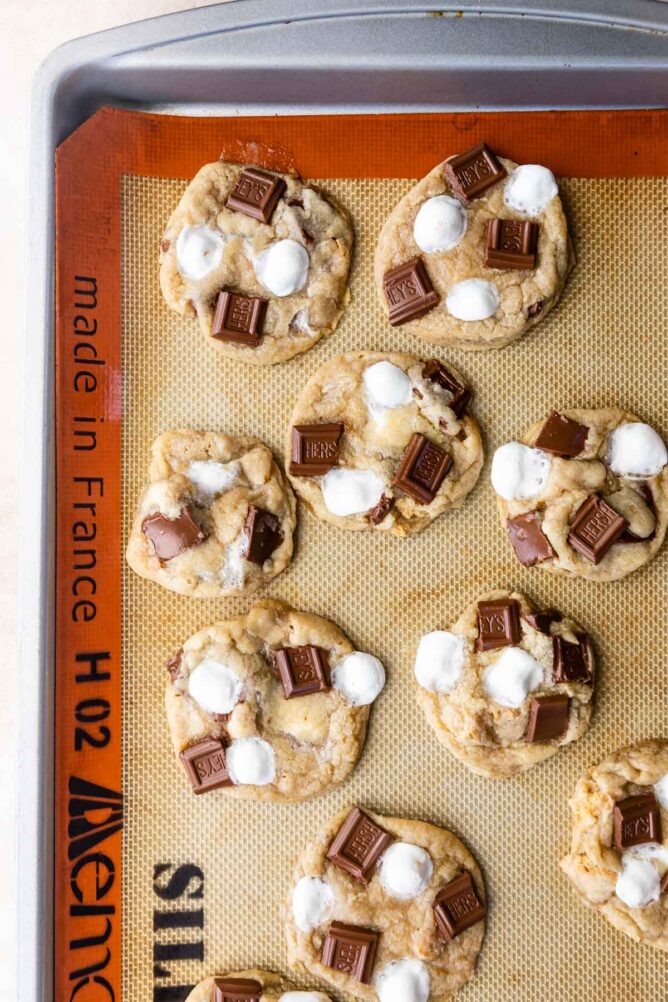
(536, 308)
(457, 907)
(543, 619)
(511, 244)
(239, 319)
(422, 470)
(164, 245)
(409, 291)
(572, 662)
(561, 436)
(262, 535)
(358, 844)
(382, 509)
(498, 624)
(256, 194)
(174, 664)
(548, 717)
(349, 949)
(236, 990)
(473, 172)
(664, 884)
(437, 373)
(636, 820)
(315, 449)
(171, 536)
(595, 528)
(303, 670)
(528, 540)
(205, 764)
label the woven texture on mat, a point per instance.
(605, 344)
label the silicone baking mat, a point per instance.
(194, 885)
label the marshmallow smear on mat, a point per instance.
(351, 492)
(439, 661)
(386, 385)
(199, 250)
(510, 679)
(440, 224)
(473, 299)
(403, 981)
(210, 477)
(359, 678)
(518, 471)
(251, 761)
(635, 450)
(530, 189)
(312, 903)
(214, 686)
(282, 267)
(405, 870)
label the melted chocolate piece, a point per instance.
(315, 449)
(498, 624)
(536, 308)
(262, 535)
(548, 717)
(457, 907)
(561, 436)
(471, 173)
(542, 619)
(636, 820)
(358, 845)
(438, 373)
(382, 510)
(528, 540)
(238, 319)
(174, 664)
(171, 536)
(572, 662)
(511, 244)
(424, 466)
(351, 950)
(236, 990)
(256, 194)
(409, 291)
(596, 527)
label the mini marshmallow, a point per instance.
(312, 903)
(529, 189)
(214, 686)
(233, 571)
(252, 761)
(386, 385)
(440, 224)
(282, 267)
(510, 679)
(211, 478)
(639, 883)
(518, 471)
(405, 870)
(473, 299)
(439, 661)
(351, 492)
(403, 981)
(359, 678)
(199, 250)
(661, 791)
(635, 450)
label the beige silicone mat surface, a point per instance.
(605, 344)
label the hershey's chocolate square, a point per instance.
(636, 820)
(438, 373)
(528, 540)
(548, 717)
(256, 193)
(511, 244)
(596, 527)
(562, 436)
(498, 624)
(205, 764)
(238, 319)
(262, 534)
(457, 907)
(572, 662)
(303, 670)
(471, 173)
(171, 536)
(409, 291)
(315, 449)
(236, 990)
(358, 845)
(424, 466)
(351, 950)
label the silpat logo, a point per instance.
(86, 828)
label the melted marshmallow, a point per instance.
(661, 791)
(312, 903)
(635, 450)
(214, 686)
(439, 661)
(639, 883)
(440, 224)
(473, 299)
(282, 267)
(530, 189)
(386, 385)
(210, 477)
(251, 760)
(350, 492)
(403, 981)
(518, 471)
(359, 678)
(405, 870)
(199, 250)
(510, 679)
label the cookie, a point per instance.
(584, 493)
(618, 861)
(260, 259)
(251, 986)
(386, 909)
(476, 253)
(507, 685)
(383, 442)
(270, 706)
(217, 517)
